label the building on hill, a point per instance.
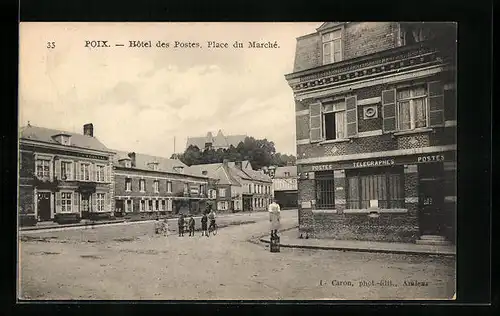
(239, 187)
(148, 186)
(376, 122)
(63, 176)
(284, 185)
(219, 141)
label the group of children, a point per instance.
(163, 227)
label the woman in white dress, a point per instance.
(274, 217)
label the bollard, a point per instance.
(275, 243)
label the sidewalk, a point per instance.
(86, 222)
(290, 239)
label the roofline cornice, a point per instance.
(24, 141)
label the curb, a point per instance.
(394, 251)
(70, 225)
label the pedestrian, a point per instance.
(158, 226)
(191, 226)
(165, 226)
(204, 220)
(274, 218)
(181, 225)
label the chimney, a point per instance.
(132, 158)
(238, 164)
(88, 129)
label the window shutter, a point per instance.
(58, 202)
(77, 170)
(93, 172)
(58, 169)
(351, 105)
(107, 207)
(94, 203)
(315, 123)
(76, 202)
(436, 103)
(389, 110)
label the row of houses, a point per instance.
(65, 176)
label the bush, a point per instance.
(27, 220)
(69, 218)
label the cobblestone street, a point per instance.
(129, 262)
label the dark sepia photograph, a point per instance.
(237, 161)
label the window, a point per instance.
(287, 174)
(156, 187)
(66, 199)
(157, 205)
(332, 47)
(128, 184)
(85, 172)
(100, 173)
(100, 202)
(142, 206)
(222, 192)
(325, 190)
(162, 206)
(169, 205)
(142, 185)
(43, 169)
(150, 205)
(128, 206)
(223, 205)
(128, 164)
(66, 170)
(334, 121)
(186, 188)
(169, 187)
(381, 184)
(412, 108)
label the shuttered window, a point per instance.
(315, 118)
(325, 190)
(436, 103)
(66, 170)
(389, 110)
(334, 121)
(385, 185)
(100, 202)
(66, 202)
(43, 169)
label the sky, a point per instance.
(141, 99)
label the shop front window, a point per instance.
(325, 190)
(378, 187)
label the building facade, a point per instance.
(219, 141)
(63, 176)
(148, 186)
(285, 186)
(239, 187)
(375, 131)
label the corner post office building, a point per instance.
(375, 131)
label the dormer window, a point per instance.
(153, 166)
(204, 172)
(179, 169)
(332, 46)
(127, 163)
(63, 139)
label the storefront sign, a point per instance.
(373, 163)
(434, 158)
(383, 162)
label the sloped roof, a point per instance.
(245, 164)
(164, 164)
(257, 175)
(280, 172)
(327, 25)
(46, 135)
(215, 171)
(217, 141)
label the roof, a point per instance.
(46, 135)
(328, 25)
(164, 164)
(279, 172)
(215, 171)
(258, 175)
(219, 140)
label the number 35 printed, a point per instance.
(51, 45)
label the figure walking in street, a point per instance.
(191, 226)
(181, 225)
(204, 227)
(211, 217)
(165, 226)
(274, 218)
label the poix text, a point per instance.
(178, 44)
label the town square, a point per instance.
(278, 161)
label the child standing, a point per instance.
(191, 226)
(204, 220)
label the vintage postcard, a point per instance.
(237, 161)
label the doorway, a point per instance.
(85, 206)
(43, 207)
(431, 199)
